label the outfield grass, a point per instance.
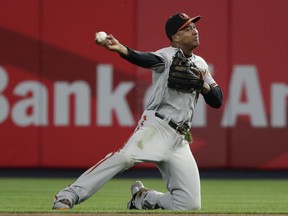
(24, 195)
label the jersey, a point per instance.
(177, 105)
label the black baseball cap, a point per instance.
(178, 22)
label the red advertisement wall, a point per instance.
(65, 102)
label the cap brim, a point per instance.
(195, 19)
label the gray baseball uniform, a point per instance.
(156, 140)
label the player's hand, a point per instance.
(112, 44)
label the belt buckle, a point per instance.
(182, 127)
(179, 129)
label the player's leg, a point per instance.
(94, 178)
(183, 183)
(143, 145)
(152, 141)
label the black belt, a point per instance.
(182, 128)
(171, 122)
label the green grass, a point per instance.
(218, 196)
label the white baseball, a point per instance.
(101, 36)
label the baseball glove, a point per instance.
(184, 76)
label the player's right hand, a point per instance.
(112, 44)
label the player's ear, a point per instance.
(175, 38)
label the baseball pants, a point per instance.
(152, 141)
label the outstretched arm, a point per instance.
(142, 59)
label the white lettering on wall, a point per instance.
(32, 104)
(279, 94)
(200, 115)
(81, 92)
(244, 80)
(4, 104)
(109, 100)
(30, 110)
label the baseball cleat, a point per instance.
(131, 204)
(63, 204)
(136, 189)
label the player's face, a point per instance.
(188, 36)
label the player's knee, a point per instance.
(123, 159)
(188, 203)
(195, 205)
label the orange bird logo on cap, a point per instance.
(184, 16)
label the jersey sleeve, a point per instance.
(209, 79)
(203, 66)
(166, 54)
(143, 59)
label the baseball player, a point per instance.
(162, 135)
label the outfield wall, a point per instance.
(66, 103)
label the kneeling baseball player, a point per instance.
(179, 77)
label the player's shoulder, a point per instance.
(166, 52)
(169, 49)
(199, 61)
(198, 58)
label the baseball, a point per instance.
(100, 36)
